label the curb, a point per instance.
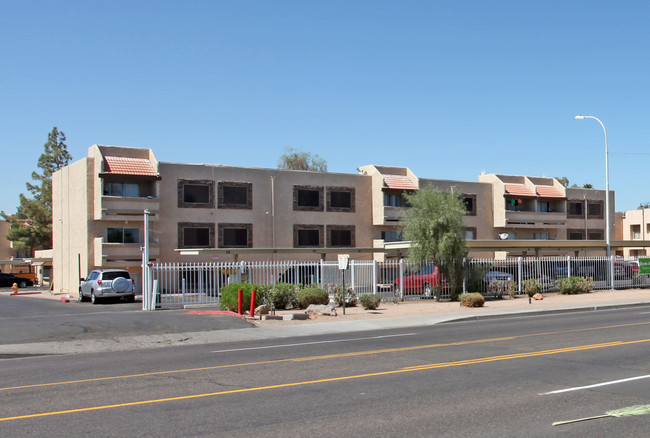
(546, 312)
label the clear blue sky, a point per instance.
(446, 88)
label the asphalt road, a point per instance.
(29, 320)
(489, 378)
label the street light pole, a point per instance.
(607, 237)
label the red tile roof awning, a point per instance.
(399, 182)
(519, 190)
(128, 166)
(549, 192)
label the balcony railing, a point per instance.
(123, 208)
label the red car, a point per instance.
(422, 280)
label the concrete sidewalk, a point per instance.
(388, 316)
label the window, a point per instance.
(392, 199)
(596, 234)
(576, 234)
(543, 207)
(235, 235)
(635, 231)
(391, 236)
(235, 195)
(308, 236)
(470, 204)
(340, 199)
(340, 235)
(195, 194)
(127, 190)
(470, 233)
(541, 236)
(123, 235)
(308, 198)
(576, 208)
(595, 209)
(195, 235)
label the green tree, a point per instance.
(587, 186)
(30, 227)
(294, 159)
(434, 225)
(563, 180)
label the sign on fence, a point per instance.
(644, 265)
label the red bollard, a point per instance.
(252, 312)
(240, 301)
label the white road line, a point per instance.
(596, 385)
(312, 343)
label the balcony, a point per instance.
(124, 208)
(534, 219)
(393, 216)
(122, 254)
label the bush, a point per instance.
(498, 288)
(312, 295)
(349, 296)
(575, 285)
(370, 302)
(282, 296)
(228, 299)
(532, 287)
(472, 300)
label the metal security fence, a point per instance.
(179, 284)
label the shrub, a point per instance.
(349, 296)
(472, 300)
(370, 302)
(532, 287)
(228, 299)
(575, 285)
(498, 288)
(282, 296)
(312, 295)
(639, 280)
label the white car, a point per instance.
(107, 283)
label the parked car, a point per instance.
(625, 269)
(421, 280)
(301, 274)
(7, 280)
(494, 276)
(107, 283)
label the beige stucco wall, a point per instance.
(265, 215)
(72, 230)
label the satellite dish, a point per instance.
(503, 236)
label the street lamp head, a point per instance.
(579, 117)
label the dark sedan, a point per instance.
(7, 280)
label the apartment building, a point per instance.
(636, 226)
(99, 202)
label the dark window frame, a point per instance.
(248, 228)
(182, 226)
(300, 227)
(581, 232)
(223, 186)
(296, 195)
(181, 193)
(352, 193)
(347, 228)
(601, 205)
(465, 197)
(596, 231)
(576, 202)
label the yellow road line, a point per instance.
(323, 357)
(337, 379)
